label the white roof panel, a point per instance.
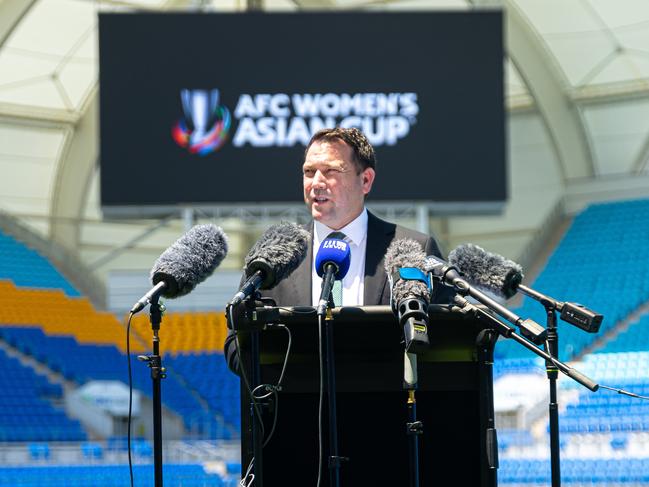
(22, 142)
(17, 66)
(558, 16)
(590, 38)
(53, 26)
(636, 38)
(78, 80)
(579, 56)
(622, 68)
(617, 133)
(28, 159)
(622, 14)
(53, 46)
(36, 93)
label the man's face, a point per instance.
(334, 190)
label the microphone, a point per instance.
(409, 296)
(503, 277)
(491, 272)
(450, 276)
(331, 263)
(277, 253)
(187, 262)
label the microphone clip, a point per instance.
(257, 313)
(413, 317)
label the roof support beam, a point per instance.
(314, 4)
(548, 88)
(73, 175)
(642, 159)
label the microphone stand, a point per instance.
(327, 337)
(552, 347)
(154, 361)
(255, 380)
(509, 332)
(414, 428)
(486, 342)
(409, 312)
(576, 315)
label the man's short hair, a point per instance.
(363, 151)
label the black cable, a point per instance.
(255, 406)
(248, 473)
(619, 391)
(270, 390)
(273, 390)
(626, 393)
(320, 400)
(130, 395)
(288, 351)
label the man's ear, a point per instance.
(368, 176)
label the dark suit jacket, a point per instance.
(296, 290)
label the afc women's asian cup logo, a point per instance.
(205, 127)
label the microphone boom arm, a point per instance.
(508, 332)
(449, 276)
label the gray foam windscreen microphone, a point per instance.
(277, 253)
(190, 260)
(406, 253)
(409, 297)
(487, 270)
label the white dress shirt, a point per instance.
(353, 282)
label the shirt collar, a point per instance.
(356, 230)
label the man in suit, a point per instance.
(338, 172)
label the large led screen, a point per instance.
(210, 109)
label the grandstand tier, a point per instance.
(610, 276)
(26, 267)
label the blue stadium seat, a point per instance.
(207, 374)
(608, 277)
(174, 475)
(27, 414)
(27, 268)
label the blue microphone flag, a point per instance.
(333, 251)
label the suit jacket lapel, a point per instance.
(379, 236)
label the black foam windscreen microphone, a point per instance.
(187, 262)
(409, 297)
(277, 253)
(486, 270)
(504, 278)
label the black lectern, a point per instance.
(454, 399)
